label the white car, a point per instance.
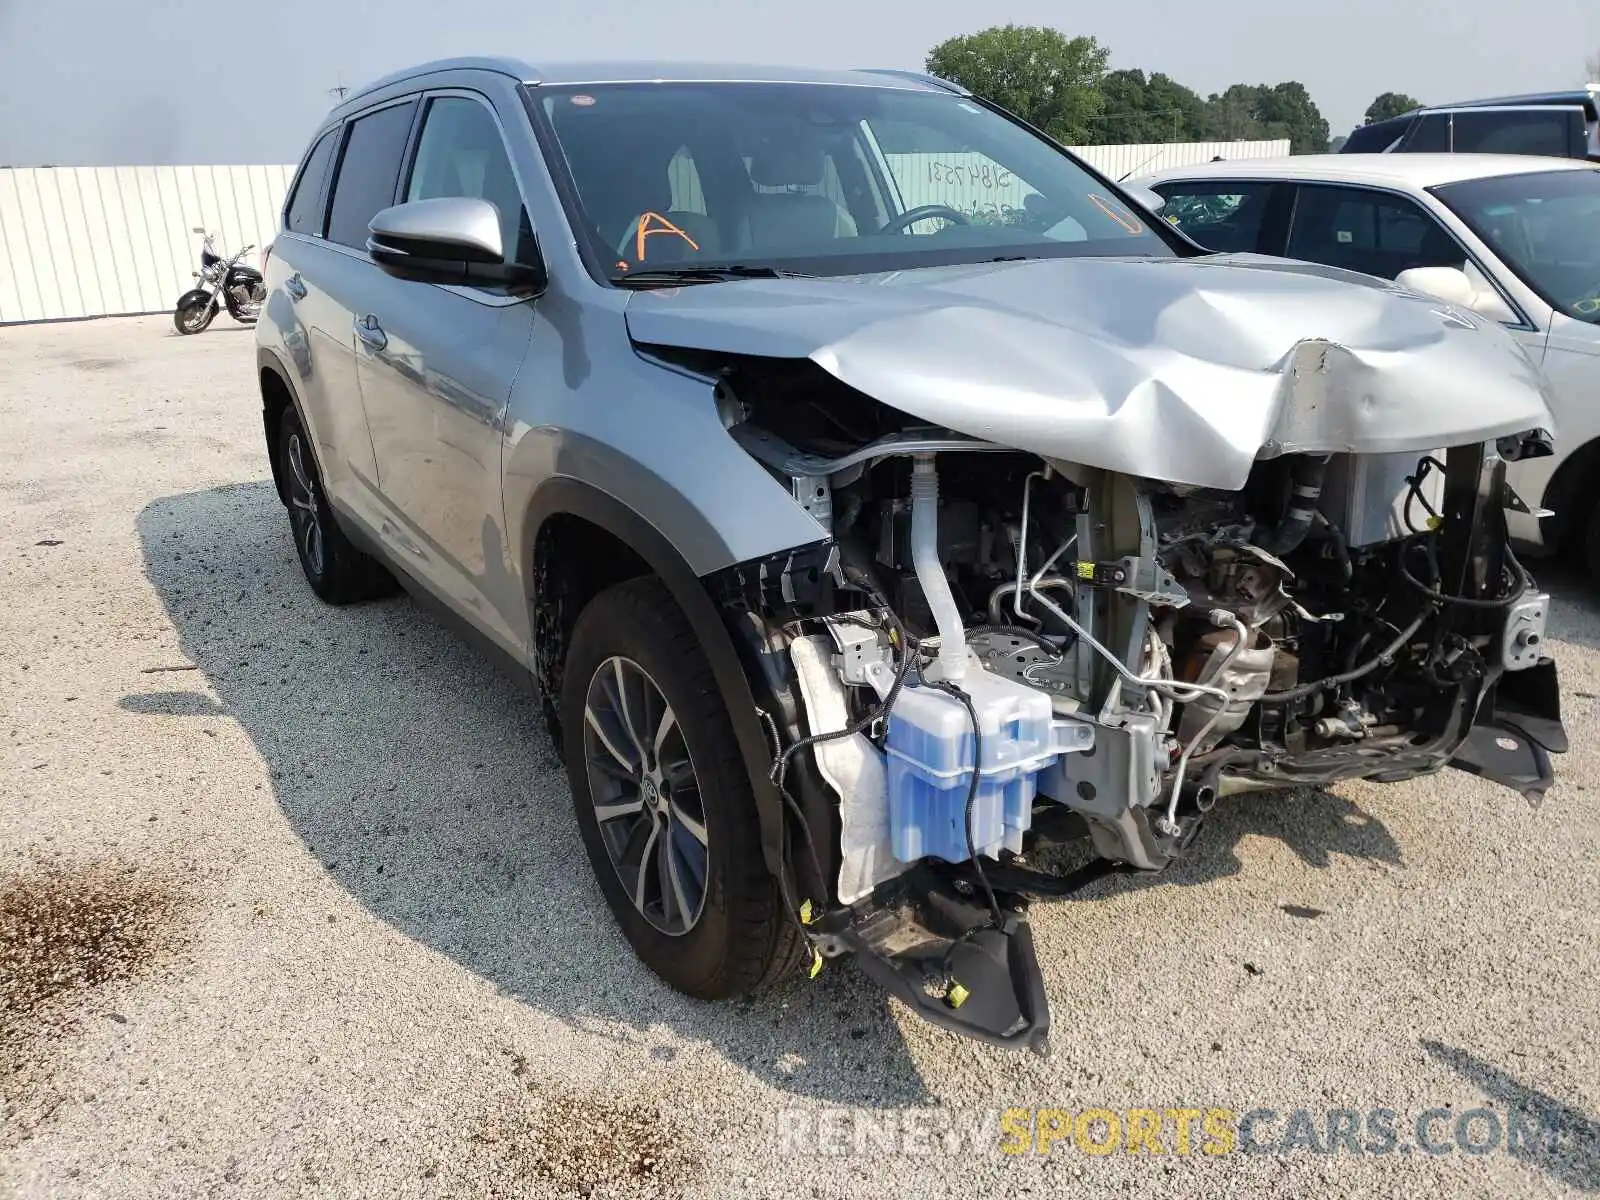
(1512, 238)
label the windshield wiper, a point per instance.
(721, 273)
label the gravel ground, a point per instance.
(292, 903)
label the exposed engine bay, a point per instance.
(993, 652)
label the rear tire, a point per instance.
(335, 569)
(740, 938)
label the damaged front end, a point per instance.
(994, 651)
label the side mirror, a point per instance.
(452, 240)
(198, 229)
(1455, 286)
(1148, 200)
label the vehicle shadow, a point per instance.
(421, 777)
(1564, 1141)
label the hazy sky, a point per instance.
(213, 81)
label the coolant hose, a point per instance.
(930, 571)
(1291, 531)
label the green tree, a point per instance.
(1157, 109)
(1046, 78)
(1231, 116)
(1390, 104)
(1289, 111)
(1247, 112)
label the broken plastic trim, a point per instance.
(938, 951)
(928, 938)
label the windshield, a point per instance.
(1546, 227)
(821, 179)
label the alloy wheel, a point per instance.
(646, 795)
(304, 513)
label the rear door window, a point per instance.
(365, 184)
(1487, 131)
(1225, 216)
(1376, 233)
(306, 208)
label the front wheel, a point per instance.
(195, 311)
(664, 802)
(1590, 544)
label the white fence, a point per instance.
(101, 241)
(105, 241)
(973, 183)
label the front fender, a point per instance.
(566, 495)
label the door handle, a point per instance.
(294, 286)
(371, 333)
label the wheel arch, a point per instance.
(277, 396)
(1571, 480)
(556, 587)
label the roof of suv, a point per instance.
(1409, 170)
(1588, 96)
(648, 71)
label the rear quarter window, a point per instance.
(304, 211)
(1489, 132)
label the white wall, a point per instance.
(102, 241)
(97, 241)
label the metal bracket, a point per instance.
(1143, 578)
(1523, 646)
(862, 652)
(1517, 504)
(812, 493)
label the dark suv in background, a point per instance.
(1555, 124)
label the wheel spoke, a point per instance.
(622, 710)
(607, 764)
(671, 885)
(620, 808)
(650, 847)
(313, 542)
(664, 729)
(297, 467)
(629, 765)
(693, 826)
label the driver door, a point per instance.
(436, 365)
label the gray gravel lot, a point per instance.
(292, 901)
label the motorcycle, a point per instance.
(222, 281)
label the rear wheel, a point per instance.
(663, 800)
(335, 569)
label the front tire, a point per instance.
(335, 569)
(663, 800)
(194, 313)
(1589, 543)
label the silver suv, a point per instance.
(877, 496)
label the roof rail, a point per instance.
(933, 81)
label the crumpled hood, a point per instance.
(1185, 370)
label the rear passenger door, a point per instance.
(1363, 229)
(332, 286)
(315, 337)
(436, 365)
(1228, 216)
